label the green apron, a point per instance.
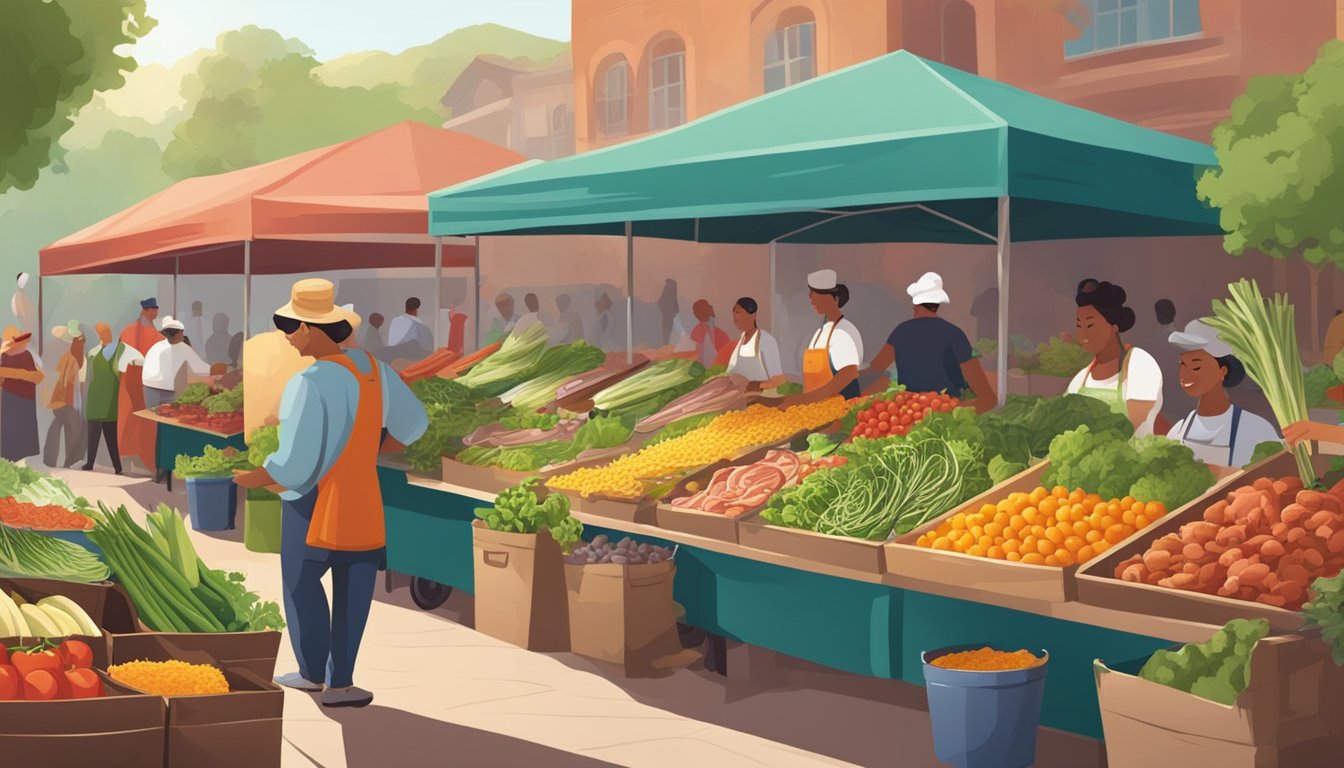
(1113, 397)
(104, 386)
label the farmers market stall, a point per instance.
(177, 438)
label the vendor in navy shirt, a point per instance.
(930, 353)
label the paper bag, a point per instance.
(520, 588)
(624, 614)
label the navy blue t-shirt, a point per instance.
(929, 354)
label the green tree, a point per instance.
(259, 98)
(53, 57)
(1280, 180)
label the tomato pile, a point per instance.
(46, 517)
(47, 672)
(897, 414)
(198, 416)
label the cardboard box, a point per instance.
(1290, 715)
(254, 652)
(625, 615)
(520, 588)
(1097, 584)
(124, 729)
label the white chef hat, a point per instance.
(171, 324)
(822, 280)
(1198, 335)
(928, 290)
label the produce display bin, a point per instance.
(74, 537)
(710, 525)
(622, 510)
(124, 729)
(212, 503)
(839, 551)
(488, 479)
(984, 719)
(1097, 584)
(250, 652)
(1291, 715)
(106, 603)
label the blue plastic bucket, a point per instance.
(984, 719)
(212, 503)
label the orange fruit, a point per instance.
(976, 551)
(1074, 543)
(1085, 554)
(1052, 559)
(1011, 546)
(1101, 546)
(1065, 557)
(1033, 559)
(1115, 534)
(995, 553)
(1128, 517)
(1127, 502)
(1002, 518)
(942, 543)
(1048, 505)
(1054, 536)
(1094, 535)
(1045, 546)
(1013, 557)
(1017, 522)
(1059, 491)
(1141, 522)
(1081, 528)
(1031, 515)
(958, 522)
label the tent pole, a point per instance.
(438, 290)
(774, 309)
(476, 286)
(177, 267)
(629, 293)
(247, 289)
(38, 331)
(1005, 241)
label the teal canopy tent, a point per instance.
(896, 149)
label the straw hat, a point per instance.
(314, 301)
(12, 338)
(350, 315)
(68, 331)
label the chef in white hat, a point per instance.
(930, 353)
(164, 363)
(833, 356)
(1219, 432)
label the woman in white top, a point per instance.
(1126, 378)
(756, 355)
(165, 360)
(1217, 431)
(832, 358)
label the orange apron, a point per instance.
(817, 362)
(348, 513)
(136, 436)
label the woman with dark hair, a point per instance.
(1217, 431)
(756, 355)
(832, 358)
(1124, 377)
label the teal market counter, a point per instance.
(174, 439)
(859, 623)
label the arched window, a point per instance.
(667, 84)
(958, 42)
(1111, 24)
(791, 50)
(612, 102)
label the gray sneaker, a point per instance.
(346, 697)
(298, 682)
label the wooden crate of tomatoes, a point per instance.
(896, 413)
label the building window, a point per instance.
(667, 86)
(1111, 24)
(562, 144)
(613, 89)
(790, 55)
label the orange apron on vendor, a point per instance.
(817, 368)
(348, 514)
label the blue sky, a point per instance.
(336, 27)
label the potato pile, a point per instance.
(627, 552)
(1265, 542)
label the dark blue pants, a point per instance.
(326, 641)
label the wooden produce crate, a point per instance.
(622, 510)
(840, 551)
(711, 525)
(1097, 584)
(487, 479)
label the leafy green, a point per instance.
(1001, 470)
(529, 420)
(519, 510)
(681, 427)
(555, 366)
(14, 477)
(602, 432)
(598, 432)
(28, 555)
(193, 394)
(262, 443)
(1218, 669)
(212, 463)
(1326, 610)
(789, 388)
(1057, 357)
(647, 391)
(1264, 451)
(819, 445)
(1109, 464)
(228, 401)
(48, 490)
(1316, 382)
(509, 366)
(454, 411)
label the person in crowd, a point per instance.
(135, 435)
(755, 356)
(832, 358)
(1124, 377)
(22, 306)
(407, 336)
(457, 330)
(602, 324)
(373, 335)
(712, 345)
(106, 363)
(236, 350)
(216, 348)
(66, 400)
(503, 325)
(20, 373)
(1218, 432)
(668, 308)
(1165, 311)
(930, 353)
(332, 420)
(531, 317)
(569, 326)
(195, 329)
(164, 363)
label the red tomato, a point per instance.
(77, 654)
(10, 683)
(870, 432)
(907, 421)
(29, 662)
(40, 685)
(83, 684)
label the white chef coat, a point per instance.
(1210, 437)
(164, 362)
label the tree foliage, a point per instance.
(258, 99)
(53, 56)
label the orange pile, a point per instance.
(1045, 527)
(987, 660)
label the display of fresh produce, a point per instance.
(46, 517)
(213, 462)
(1264, 542)
(172, 588)
(887, 485)
(734, 491)
(467, 361)
(24, 554)
(988, 660)
(556, 366)
(509, 366)
(225, 401)
(546, 428)
(170, 678)
(25, 484)
(613, 370)
(436, 361)
(55, 616)
(597, 433)
(1059, 358)
(1218, 669)
(679, 428)
(897, 413)
(714, 396)
(49, 671)
(728, 435)
(1044, 527)
(1150, 468)
(194, 394)
(1326, 611)
(520, 510)
(1022, 430)
(627, 551)
(645, 392)
(1263, 335)
(454, 411)
(1264, 451)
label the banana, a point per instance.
(17, 598)
(12, 623)
(64, 623)
(73, 610)
(39, 624)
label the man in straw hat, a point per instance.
(20, 373)
(332, 417)
(66, 400)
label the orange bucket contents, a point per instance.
(987, 660)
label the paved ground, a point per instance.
(447, 695)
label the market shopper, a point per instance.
(164, 363)
(1218, 432)
(66, 400)
(504, 324)
(931, 354)
(713, 346)
(106, 364)
(832, 358)
(408, 338)
(195, 327)
(332, 417)
(20, 373)
(1124, 377)
(136, 435)
(531, 317)
(568, 325)
(755, 356)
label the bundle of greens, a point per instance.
(1263, 335)
(1108, 463)
(556, 366)
(50, 490)
(1059, 358)
(1218, 669)
(262, 443)
(213, 463)
(193, 394)
(1316, 382)
(646, 392)
(1021, 431)
(508, 367)
(597, 433)
(14, 477)
(454, 411)
(519, 510)
(28, 555)
(228, 401)
(1326, 611)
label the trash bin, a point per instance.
(984, 719)
(261, 522)
(212, 503)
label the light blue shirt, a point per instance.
(317, 415)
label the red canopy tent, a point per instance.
(359, 204)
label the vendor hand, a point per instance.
(1311, 430)
(219, 369)
(250, 478)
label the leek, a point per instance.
(649, 383)
(515, 357)
(1262, 334)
